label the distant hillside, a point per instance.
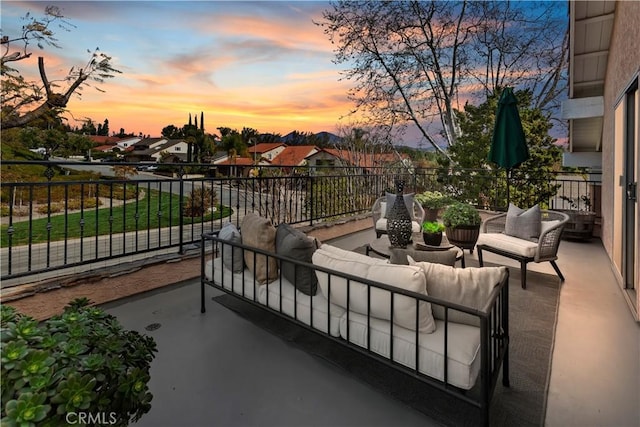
(322, 139)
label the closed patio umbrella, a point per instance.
(508, 146)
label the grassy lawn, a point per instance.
(153, 211)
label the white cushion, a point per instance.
(356, 297)
(381, 224)
(469, 287)
(350, 255)
(383, 209)
(309, 310)
(463, 347)
(241, 283)
(510, 244)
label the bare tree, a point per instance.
(524, 49)
(410, 60)
(25, 101)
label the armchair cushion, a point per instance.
(523, 224)
(381, 224)
(514, 245)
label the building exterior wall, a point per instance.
(623, 65)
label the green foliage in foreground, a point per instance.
(155, 210)
(79, 362)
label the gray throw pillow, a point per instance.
(408, 202)
(523, 224)
(231, 255)
(295, 244)
(399, 256)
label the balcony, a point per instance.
(220, 369)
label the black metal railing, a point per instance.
(68, 220)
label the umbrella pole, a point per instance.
(508, 195)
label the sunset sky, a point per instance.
(264, 65)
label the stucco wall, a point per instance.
(623, 65)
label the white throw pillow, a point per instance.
(339, 290)
(469, 287)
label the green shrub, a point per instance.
(79, 362)
(199, 202)
(433, 199)
(461, 214)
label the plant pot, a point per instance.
(464, 237)
(432, 239)
(431, 214)
(579, 226)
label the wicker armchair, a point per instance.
(493, 239)
(380, 221)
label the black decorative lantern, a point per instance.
(399, 220)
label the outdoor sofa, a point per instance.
(457, 315)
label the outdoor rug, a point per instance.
(532, 319)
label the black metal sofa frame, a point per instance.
(493, 320)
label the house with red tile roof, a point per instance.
(266, 150)
(329, 157)
(294, 155)
(100, 140)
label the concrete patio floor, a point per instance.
(219, 369)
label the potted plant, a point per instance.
(432, 202)
(78, 364)
(432, 232)
(462, 222)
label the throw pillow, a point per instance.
(408, 201)
(375, 301)
(293, 243)
(399, 256)
(469, 287)
(258, 232)
(523, 224)
(231, 255)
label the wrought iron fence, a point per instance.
(57, 224)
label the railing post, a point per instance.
(311, 200)
(181, 173)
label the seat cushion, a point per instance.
(357, 297)
(524, 224)
(381, 225)
(463, 347)
(281, 296)
(514, 245)
(258, 232)
(241, 283)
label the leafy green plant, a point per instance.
(461, 214)
(432, 227)
(81, 361)
(433, 199)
